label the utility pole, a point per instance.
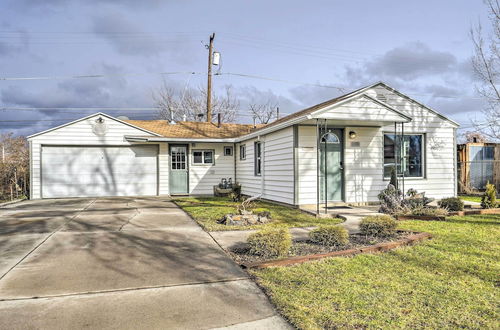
(209, 82)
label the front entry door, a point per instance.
(331, 166)
(178, 181)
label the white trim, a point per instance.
(87, 117)
(413, 100)
(354, 97)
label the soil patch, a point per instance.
(305, 247)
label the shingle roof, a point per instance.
(196, 130)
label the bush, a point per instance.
(378, 225)
(430, 211)
(489, 198)
(452, 204)
(330, 235)
(390, 200)
(270, 242)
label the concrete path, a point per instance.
(120, 263)
(352, 217)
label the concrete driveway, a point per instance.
(120, 263)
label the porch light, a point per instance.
(352, 135)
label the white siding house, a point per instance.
(340, 151)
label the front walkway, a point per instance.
(120, 263)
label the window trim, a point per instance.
(203, 157)
(228, 148)
(257, 159)
(243, 155)
(424, 156)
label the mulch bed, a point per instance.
(303, 251)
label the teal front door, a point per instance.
(331, 166)
(178, 178)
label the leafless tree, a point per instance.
(486, 65)
(14, 167)
(263, 112)
(190, 104)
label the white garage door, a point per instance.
(99, 171)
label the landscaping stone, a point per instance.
(244, 219)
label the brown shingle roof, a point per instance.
(196, 130)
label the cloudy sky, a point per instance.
(419, 47)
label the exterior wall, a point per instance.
(202, 177)
(440, 171)
(277, 179)
(80, 133)
(363, 164)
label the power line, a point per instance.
(98, 75)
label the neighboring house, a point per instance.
(478, 164)
(352, 136)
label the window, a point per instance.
(330, 138)
(243, 151)
(228, 151)
(257, 158)
(203, 156)
(408, 156)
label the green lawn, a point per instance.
(451, 281)
(208, 210)
(471, 198)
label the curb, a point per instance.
(380, 247)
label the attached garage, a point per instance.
(91, 157)
(83, 171)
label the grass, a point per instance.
(208, 210)
(450, 281)
(471, 198)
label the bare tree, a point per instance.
(486, 65)
(190, 104)
(264, 112)
(14, 167)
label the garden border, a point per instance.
(380, 247)
(441, 218)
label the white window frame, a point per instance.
(203, 157)
(243, 155)
(424, 157)
(228, 148)
(257, 159)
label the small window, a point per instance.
(330, 138)
(243, 152)
(203, 157)
(228, 151)
(257, 158)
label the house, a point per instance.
(478, 164)
(339, 151)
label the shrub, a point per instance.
(390, 200)
(452, 204)
(489, 198)
(430, 211)
(378, 225)
(270, 242)
(330, 235)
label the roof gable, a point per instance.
(90, 117)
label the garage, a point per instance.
(89, 171)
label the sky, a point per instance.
(296, 53)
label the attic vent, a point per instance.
(381, 97)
